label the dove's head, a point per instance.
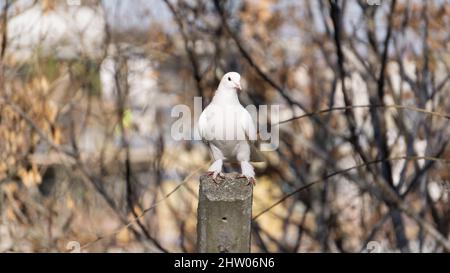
(231, 80)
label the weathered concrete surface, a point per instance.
(224, 214)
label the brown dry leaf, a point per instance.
(70, 203)
(57, 136)
(30, 178)
(10, 214)
(51, 111)
(137, 210)
(36, 175)
(10, 188)
(123, 237)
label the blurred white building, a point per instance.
(143, 98)
(67, 30)
(55, 28)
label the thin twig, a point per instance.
(309, 185)
(142, 214)
(395, 200)
(341, 108)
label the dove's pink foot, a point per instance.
(251, 180)
(214, 176)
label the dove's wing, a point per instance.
(251, 134)
(203, 123)
(248, 125)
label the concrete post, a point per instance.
(224, 214)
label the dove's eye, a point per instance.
(229, 79)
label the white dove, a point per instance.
(228, 128)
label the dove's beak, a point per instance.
(238, 86)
